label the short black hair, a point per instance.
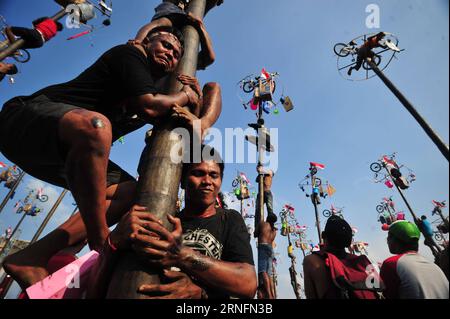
(271, 219)
(338, 232)
(210, 154)
(176, 32)
(405, 247)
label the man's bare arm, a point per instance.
(142, 33)
(150, 107)
(212, 105)
(236, 279)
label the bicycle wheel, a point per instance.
(340, 50)
(22, 56)
(235, 183)
(375, 167)
(43, 198)
(248, 87)
(326, 213)
(438, 237)
(376, 60)
(380, 208)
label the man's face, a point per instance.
(164, 51)
(203, 183)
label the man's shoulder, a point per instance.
(391, 261)
(313, 261)
(125, 49)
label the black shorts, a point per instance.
(33, 39)
(29, 138)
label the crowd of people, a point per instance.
(70, 127)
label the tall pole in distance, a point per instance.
(242, 201)
(39, 231)
(429, 240)
(439, 211)
(48, 217)
(13, 233)
(160, 176)
(11, 191)
(314, 201)
(20, 43)
(292, 270)
(427, 128)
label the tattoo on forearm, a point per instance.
(198, 262)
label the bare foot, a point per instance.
(26, 271)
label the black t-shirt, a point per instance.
(223, 236)
(120, 73)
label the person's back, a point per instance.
(267, 233)
(414, 278)
(408, 275)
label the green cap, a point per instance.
(405, 231)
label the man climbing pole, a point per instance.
(159, 182)
(210, 245)
(268, 197)
(266, 233)
(44, 30)
(172, 13)
(69, 128)
(365, 51)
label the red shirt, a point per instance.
(47, 28)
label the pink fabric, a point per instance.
(69, 282)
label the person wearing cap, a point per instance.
(408, 275)
(44, 29)
(69, 129)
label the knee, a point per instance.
(124, 192)
(93, 132)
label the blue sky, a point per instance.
(344, 125)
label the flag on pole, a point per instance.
(289, 208)
(330, 190)
(388, 161)
(317, 165)
(3, 165)
(438, 204)
(244, 178)
(265, 74)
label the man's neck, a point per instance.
(199, 212)
(340, 253)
